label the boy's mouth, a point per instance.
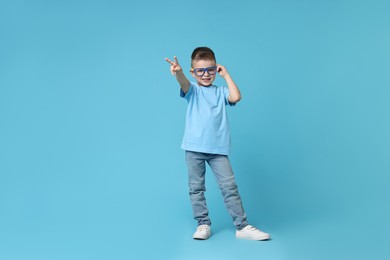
(206, 81)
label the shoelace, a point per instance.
(252, 228)
(203, 228)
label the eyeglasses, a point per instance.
(202, 71)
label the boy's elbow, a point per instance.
(235, 99)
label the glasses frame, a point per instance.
(195, 71)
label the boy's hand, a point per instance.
(175, 66)
(222, 71)
(234, 92)
(177, 70)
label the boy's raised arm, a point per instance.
(178, 71)
(234, 92)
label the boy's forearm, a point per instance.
(183, 81)
(234, 92)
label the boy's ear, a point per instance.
(192, 72)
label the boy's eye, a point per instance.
(211, 70)
(199, 71)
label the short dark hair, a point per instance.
(202, 53)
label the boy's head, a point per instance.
(203, 66)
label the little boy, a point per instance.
(207, 139)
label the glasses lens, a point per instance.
(199, 72)
(212, 70)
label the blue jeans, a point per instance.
(220, 165)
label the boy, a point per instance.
(207, 139)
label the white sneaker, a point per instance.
(202, 232)
(252, 233)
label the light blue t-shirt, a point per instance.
(206, 128)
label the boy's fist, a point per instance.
(222, 71)
(175, 66)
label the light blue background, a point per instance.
(91, 124)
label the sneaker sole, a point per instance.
(201, 238)
(252, 238)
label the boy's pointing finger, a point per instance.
(169, 61)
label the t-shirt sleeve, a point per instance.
(226, 95)
(189, 93)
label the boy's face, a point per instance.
(204, 71)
